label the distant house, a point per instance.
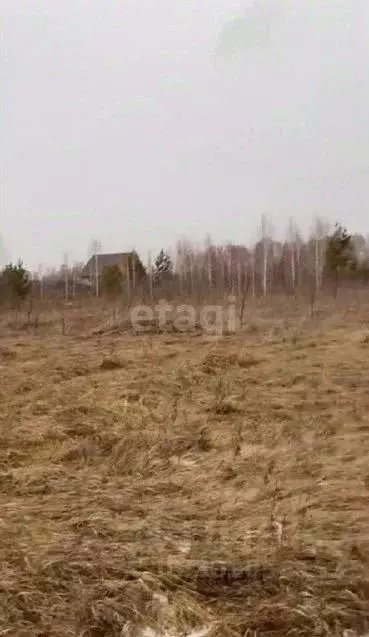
(128, 262)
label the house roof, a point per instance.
(105, 260)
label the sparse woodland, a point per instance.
(328, 263)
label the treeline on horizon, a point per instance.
(329, 258)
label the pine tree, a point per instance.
(340, 255)
(163, 266)
(16, 281)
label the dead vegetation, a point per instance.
(155, 484)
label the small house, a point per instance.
(128, 262)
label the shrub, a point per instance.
(112, 278)
(15, 281)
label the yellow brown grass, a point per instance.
(229, 479)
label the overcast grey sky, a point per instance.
(141, 121)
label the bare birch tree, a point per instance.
(66, 276)
(95, 251)
(208, 256)
(40, 272)
(265, 242)
(320, 235)
(149, 274)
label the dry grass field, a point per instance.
(165, 483)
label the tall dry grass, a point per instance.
(166, 482)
